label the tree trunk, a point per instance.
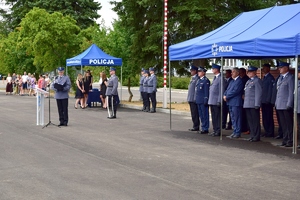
(129, 91)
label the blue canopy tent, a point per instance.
(94, 56)
(268, 33)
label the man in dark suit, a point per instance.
(285, 102)
(233, 97)
(252, 103)
(266, 107)
(215, 98)
(225, 106)
(244, 126)
(191, 99)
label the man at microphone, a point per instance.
(61, 85)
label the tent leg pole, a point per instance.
(221, 94)
(295, 128)
(121, 82)
(81, 69)
(170, 94)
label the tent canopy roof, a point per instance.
(94, 56)
(267, 33)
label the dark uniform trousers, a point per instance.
(216, 118)
(146, 100)
(280, 132)
(153, 100)
(195, 115)
(286, 122)
(244, 123)
(267, 119)
(62, 105)
(253, 119)
(113, 103)
(225, 114)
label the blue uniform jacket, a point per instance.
(202, 90)
(141, 83)
(253, 93)
(191, 89)
(65, 81)
(234, 92)
(267, 86)
(152, 83)
(285, 92)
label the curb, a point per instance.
(159, 110)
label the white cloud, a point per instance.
(106, 12)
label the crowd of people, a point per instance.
(25, 84)
(242, 94)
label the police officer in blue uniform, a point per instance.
(201, 98)
(141, 89)
(112, 93)
(152, 85)
(225, 108)
(61, 85)
(214, 100)
(273, 99)
(191, 99)
(252, 103)
(146, 97)
(266, 107)
(285, 102)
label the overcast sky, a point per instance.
(106, 13)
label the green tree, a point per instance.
(49, 38)
(83, 11)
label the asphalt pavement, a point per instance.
(135, 156)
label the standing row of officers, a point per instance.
(243, 96)
(148, 89)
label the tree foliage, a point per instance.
(50, 38)
(83, 11)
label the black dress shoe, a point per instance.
(298, 146)
(281, 145)
(203, 132)
(249, 139)
(223, 127)
(211, 134)
(288, 145)
(236, 136)
(254, 140)
(216, 134)
(193, 129)
(278, 137)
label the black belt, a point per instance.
(110, 86)
(150, 85)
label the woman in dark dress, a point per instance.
(79, 91)
(86, 82)
(103, 89)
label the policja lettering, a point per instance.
(101, 62)
(225, 48)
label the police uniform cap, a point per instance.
(142, 69)
(151, 69)
(146, 71)
(283, 64)
(215, 66)
(266, 65)
(201, 69)
(194, 68)
(252, 68)
(112, 69)
(61, 69)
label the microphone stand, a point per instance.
(50, 123)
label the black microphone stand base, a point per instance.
(50, 123)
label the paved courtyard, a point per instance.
(135, 156)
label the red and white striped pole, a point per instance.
(165, 52)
